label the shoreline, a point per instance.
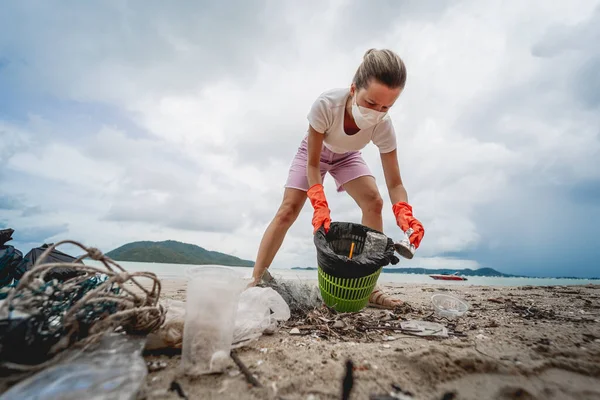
(542, 282)
(387, 271)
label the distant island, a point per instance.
(426, 271)
(463, 272)
(173, 252)
(489, 272)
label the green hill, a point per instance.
(174, 252)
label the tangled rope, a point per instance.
(80, 310)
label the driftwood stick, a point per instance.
(249, 377)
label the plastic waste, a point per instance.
(115, 369)
(212, 297)
(375, 243)
(404, 247)
(170, 333)
(449, 306)
(258, 311)
(300, 296)
(423, 328)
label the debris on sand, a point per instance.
(529, 312)
(364, 326)
(397, 393)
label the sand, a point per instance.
(514, 343)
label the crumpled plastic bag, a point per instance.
(170, 333)
(259, 310)
(300, 296)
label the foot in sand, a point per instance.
(379, 299)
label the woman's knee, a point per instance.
(287, 213)
(372, 203)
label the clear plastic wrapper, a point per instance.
(258, 311)
(114, 369)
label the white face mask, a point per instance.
(366, 117)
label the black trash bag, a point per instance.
(22, 343)
(333, 250)
(61, 274)
(6, 235)
(10, 258)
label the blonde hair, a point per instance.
(384, 66)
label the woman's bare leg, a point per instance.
(364, 191)
(291, 205)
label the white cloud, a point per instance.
(65, 164)
(12, 140)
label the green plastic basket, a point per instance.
(347, 294)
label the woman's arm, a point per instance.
(402, 210)
(315, 144)
(316, 194)
(393, 180)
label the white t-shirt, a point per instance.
(327, 116)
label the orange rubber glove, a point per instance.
(321, 215)
(405, 220)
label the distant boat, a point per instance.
(448, 277)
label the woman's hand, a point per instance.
(321, 215)
(253, 282)
(405, 220)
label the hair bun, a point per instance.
(382, 65)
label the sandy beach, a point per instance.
(514, 343)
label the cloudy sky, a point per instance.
(147, 120)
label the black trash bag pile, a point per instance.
(372, 250)
(6, 236)
(13, 265)
(61, 274)
(10, 258)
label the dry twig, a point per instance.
(249, 377)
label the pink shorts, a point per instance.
(342, 167)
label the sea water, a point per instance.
(177, 271)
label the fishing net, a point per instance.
(40, 318)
